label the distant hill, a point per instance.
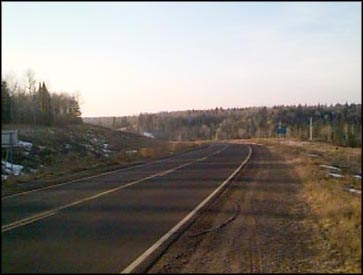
(339, 124)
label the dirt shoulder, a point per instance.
(283, 213)
(264, 226)
(335, 202)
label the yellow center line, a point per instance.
(54, 211)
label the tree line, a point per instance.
(339, 124)
(30, 105)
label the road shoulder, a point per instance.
(258, 225)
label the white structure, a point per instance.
(9, 139)
(147, 134)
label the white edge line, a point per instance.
(164, 238)
(52, 212)
(90, 177)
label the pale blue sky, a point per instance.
(127, 58)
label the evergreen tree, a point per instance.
(5, 103)
(44, 105)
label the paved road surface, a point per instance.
(101, 224)
(268, 233)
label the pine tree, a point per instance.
(44, 105)
(5, 103)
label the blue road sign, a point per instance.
(281, 131)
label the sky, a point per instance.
(126, 58)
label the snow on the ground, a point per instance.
(335, 175)
(352, 190)
(131, 152)
(41, 147)
(294, 143)
(330, 167)
(16, 168)
(25, 144)
(147, 134)
(106, 152)
(357, 177)
(313, 155)
(87, 146)
(105, 147)
(32, 170)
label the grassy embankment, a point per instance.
(62, 154)
(335, 213)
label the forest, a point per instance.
(339, 124)
(27, 104)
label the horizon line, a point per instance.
(228, 108)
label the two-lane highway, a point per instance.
(103, 223)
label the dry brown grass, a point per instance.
(57, 165)
(335, 213)
(170, 149)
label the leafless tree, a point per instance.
(30, 87)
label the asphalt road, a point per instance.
(268, 233)
(102, 224)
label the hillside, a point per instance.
(47, 155)
(339, 124)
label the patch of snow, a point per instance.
(330, 167)
(147, 134)
(352, 190)
(313, 155)
(32, 170)
(87, 146)
(106, 151)
(335, 175)
(131, 152)
(25, 144)
(4, 177)
(357, 177)
(294, 143)
(16, 168)
(41, 148)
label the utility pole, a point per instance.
(311, 128)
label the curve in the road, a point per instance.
(187, 219)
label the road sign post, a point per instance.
(9, 139)
(281, 131)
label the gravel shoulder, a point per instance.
(256, 226)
